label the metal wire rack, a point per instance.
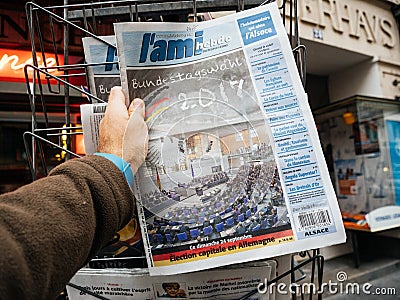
(94, 20)
(56, 32)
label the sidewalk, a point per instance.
(343, 281)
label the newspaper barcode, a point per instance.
(314, 219)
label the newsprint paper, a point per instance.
(235, 171)
(226, 283)
(103, 72)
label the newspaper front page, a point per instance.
(235, 171)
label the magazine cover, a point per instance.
(235, 170)
(227, 283)
(103, 69)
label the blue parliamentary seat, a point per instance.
(194, 233)
(240, 218)
(182, 236)
(230, 221)
(169, 238)
(207, 230)
(248, 213)
(219, 227)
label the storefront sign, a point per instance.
(12, 64)
(14, 30)
(351, 18)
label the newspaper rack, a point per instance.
(86, 19)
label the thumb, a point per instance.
(135, 141)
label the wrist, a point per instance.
(121, 164)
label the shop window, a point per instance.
(361, 141)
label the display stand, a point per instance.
(60, 76)
(376, 221)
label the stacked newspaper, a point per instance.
(235, 171)
(228, 283)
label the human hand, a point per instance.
(123, 131)
(136, 136)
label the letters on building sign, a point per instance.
(346, 17)
(12, 63)
(14, 30)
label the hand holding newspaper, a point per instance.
(235, 171)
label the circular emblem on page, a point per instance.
(210, 170)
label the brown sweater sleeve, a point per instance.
(51, 227)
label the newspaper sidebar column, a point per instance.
(310, 195)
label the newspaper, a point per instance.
(235, 170)
(227, 283)
(126, 249)
(91, 115)
(103, 69)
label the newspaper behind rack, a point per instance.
(103, 72)
(235, 171)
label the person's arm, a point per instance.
(53, 226)
(50, 228)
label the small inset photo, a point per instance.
(171, 290)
